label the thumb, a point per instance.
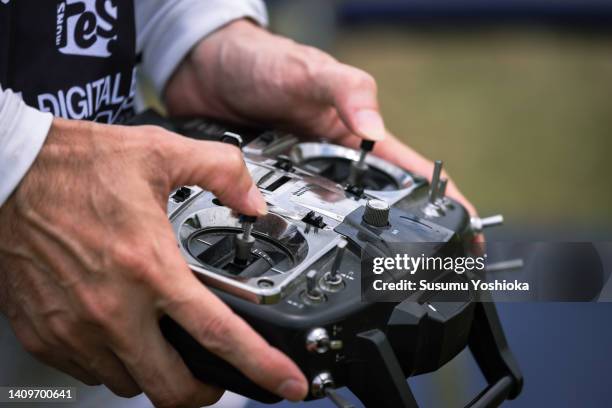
(216, 167)
(353, 93)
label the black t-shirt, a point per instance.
(73, 58)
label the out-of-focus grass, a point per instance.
(522, 118)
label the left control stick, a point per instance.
(244, 240)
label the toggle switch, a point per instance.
(320, 382)
(479, 224)
(318, 341)
(313, 294)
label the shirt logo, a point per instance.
(86, 27)
(106, 99)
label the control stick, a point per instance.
(244, 240)
(359, 168)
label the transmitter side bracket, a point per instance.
(378, 380)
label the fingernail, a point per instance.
(256, 199)
(292, 389)
(370, 124)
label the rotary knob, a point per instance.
(376, 213)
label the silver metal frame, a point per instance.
(288, 204)
(286, 210)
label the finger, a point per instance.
(225, 334)
(217, 167)
(110, 371)
(33, 344)
(72, 369)
(66, 344)
(161, 373)
(354, 95)
(87, 352)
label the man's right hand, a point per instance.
(89, 263)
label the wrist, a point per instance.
(229, 73)
(194, 87)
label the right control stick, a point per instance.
(359, 168)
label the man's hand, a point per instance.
(89, 263)
(244, 73)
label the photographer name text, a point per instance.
(406, 264)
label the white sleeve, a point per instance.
(166, 30)
(23, 130)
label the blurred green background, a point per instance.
(522, 119)
(521, 114)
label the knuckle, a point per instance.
(316, 55)
(61, 329)
(100, 309)
(34, 346)
(233, 158)
(133, 262)
(364, 80)
(215, 333)
(156, 137)
(355, 77)
(160, 145)
(154, 131)
(233, 167)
